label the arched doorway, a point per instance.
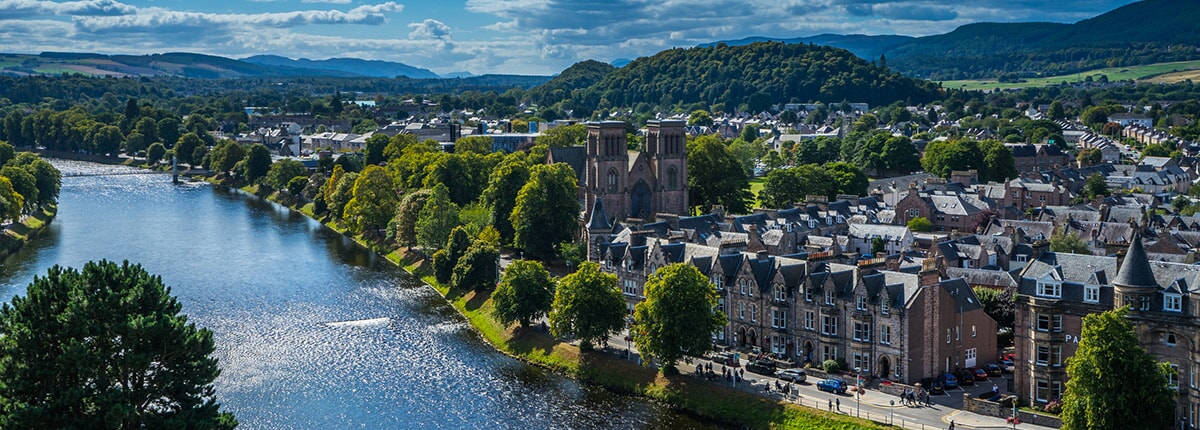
(741, 337)
(885, 367)
(752, 339)
(639, 197)
(808, 352)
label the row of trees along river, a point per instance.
(310, 330)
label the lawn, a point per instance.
(1147, 72)
(756, 185)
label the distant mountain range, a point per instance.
(353, 66)
(1145, 32)
(204, 66)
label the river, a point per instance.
(312, 331)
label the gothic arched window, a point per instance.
(612, 180)
(672, 178)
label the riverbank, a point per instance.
(710, 401)
(19, 233)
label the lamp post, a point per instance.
(858, 391)
(892, 419)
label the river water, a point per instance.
(312, 331)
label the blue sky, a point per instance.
(481, 36)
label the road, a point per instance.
(873, 404)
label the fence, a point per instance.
(993, 409)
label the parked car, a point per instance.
(933, 386)
(724, 358)
(836, 386)
(980, 374)
(794, 375)
(761, 367)
(1007, 365)
(993, 369)
(948, 380)
(965, 377)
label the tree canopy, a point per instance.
(546, 210)
(588, 306)
(105, 347)
(715, 177)
(437, 217)
(679, 315)
(525, 293)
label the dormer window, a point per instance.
(1172, 302)
(1049, 289)
(1091, 293)
(860, 303)
(828, 297)
(883, 307)
(808, 295)
(780, 294)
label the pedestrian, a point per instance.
(839, 408)
(831, 405)
(995, 389)
(951, 425)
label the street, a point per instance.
(872, 404)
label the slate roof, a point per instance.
(599, 221)
(574, 156)
(982, 277)
(1135, 270)
(963, 296)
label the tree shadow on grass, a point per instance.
(530, 341)
(476, 299)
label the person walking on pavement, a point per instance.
(839, 405)
(831, 405)
(951, 425)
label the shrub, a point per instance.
(1053, 407)
(443, 268)
(831, 366)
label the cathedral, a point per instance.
(616, 184)
(630, 184)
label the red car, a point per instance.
(980, 374)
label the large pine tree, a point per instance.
(105, 347)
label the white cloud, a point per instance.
(13, 9)
(429, 29)
(158, 20)
(326, 1)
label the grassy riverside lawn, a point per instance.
(706, 400)
(23, 231)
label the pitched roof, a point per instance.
(599, 221)
(1135, 270)
(574, 156)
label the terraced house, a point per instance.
(896, 323)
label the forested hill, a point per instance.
(575, 78)
(1144, 32)
(752, 76)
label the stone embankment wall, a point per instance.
(993, 409)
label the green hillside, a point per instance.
(577, 77)
(752, 76)
(1145, 32)
(1149, 72)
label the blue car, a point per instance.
(836, 386)
(948, 380)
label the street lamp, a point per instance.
(858, 391)
(892, 419)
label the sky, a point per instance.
(537, 37)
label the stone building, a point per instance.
(817, 306)
(1057, 290)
